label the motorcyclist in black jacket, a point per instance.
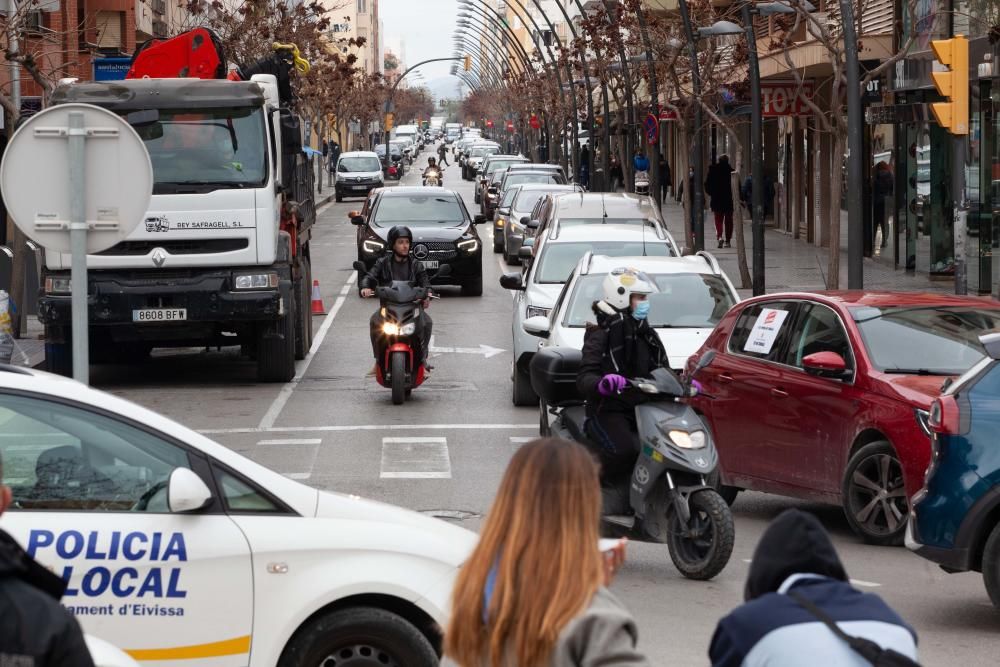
(36, 629)
(397, 265)
(621, 346)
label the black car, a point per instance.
(443, 232)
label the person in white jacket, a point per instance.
(532, 594)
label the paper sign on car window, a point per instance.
(765, 331)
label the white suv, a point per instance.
(552, 257)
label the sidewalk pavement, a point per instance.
(29, 350)
(792, 264)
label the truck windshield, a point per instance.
(217, 148)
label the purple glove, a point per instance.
(697, 386)
(611, 384)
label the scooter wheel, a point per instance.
(397, 373)
(701, 549)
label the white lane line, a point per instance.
(521, 439)
(415, 458)
(344, 290)
(367, 427)
(865, 584)
(274, 411)
(291, 441)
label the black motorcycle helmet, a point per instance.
(396, 233)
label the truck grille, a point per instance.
(206, 247)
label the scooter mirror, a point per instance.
(705, 360)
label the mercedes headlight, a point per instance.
(535, 311)
(688, 439)
(469, 245)
(372, 246)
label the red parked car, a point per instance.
(824, 396)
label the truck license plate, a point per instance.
(159, 315)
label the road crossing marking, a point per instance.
(367, 427)
(291, 441)
(415, 458)
(274, 411)
(856, 582)
(521, 439)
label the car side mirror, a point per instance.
(479, 219)
(537, 326)
(357, 220)
(511, 281)
(186, 492)
(530, 224)
(524, 252)
(826, 365)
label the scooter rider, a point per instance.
(397, 265)
(622, 345)
(432, 165)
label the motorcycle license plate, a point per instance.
(429, 263)
(159, 315)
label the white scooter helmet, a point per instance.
(621, 283)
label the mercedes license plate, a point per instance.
(159, 315)
(429, 263)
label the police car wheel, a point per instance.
(359, 637)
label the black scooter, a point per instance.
(669, 491)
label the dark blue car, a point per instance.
(955, 520)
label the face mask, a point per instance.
(641, 310)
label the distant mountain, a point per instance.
(445, 88)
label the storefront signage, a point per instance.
(668, 114)
(111, 69)
(785, 98)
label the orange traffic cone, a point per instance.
(317, 300)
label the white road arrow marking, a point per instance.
(484, 350)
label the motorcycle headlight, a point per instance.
(390, 329)
(469, 245)
(372, 246)
(688, 439)
(535, 311)
(408, 328)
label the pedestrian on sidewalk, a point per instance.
(533, 591)
(617, 176)
(585, 166)
(800, 603)
(881, 189)
(719, 187)
(334, 151)
(665, 178)
(37, 631)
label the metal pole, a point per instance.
(78, 247)
(697, 189)
(756, 154)
(855, 213)
(654, 103)
(960, 210)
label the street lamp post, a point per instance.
(697, 150)
(855, 219)
(654, 101)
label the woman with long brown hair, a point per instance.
(532, 594)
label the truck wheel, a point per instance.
(523, 393)
(397, 371)
(359, 635)
(276, 349)
(59, 355)
(991, 566)
(473, 287)
(303, 301)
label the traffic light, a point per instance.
(388, 122)
(468, 63)
(952, 115)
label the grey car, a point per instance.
(520, 209)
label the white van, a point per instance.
(357, 174)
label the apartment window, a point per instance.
(362, 6)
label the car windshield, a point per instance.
(418, 210)
(500, 165)
(558, 260)
(932, 340)
(480, 151)
(521, 179)
(508, 197)
(211, 147)
(525, 202)
(358, 164)
(694, 300)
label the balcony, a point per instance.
(160, 28)
(159, 6)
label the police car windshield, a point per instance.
(418, 210)
(692, 300)
(210, 148)
(559, 259)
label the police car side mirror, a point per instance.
(186, 492)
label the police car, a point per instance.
(182, 552)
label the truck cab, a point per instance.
(222, 256)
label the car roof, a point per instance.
(533, 166)
(853, 299)
(358, 154)
(614, 204)
(611, 232)
(403, 190)
(548, 187)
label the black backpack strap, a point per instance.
(868, 649)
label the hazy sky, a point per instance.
(426, 26)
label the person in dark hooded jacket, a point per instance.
(621, 346)
(36, 631)
(794, 560)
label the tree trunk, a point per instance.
(746, 282)
(833, 268)
(319, 172)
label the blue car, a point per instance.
(955, 519)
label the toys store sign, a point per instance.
(786, 98)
